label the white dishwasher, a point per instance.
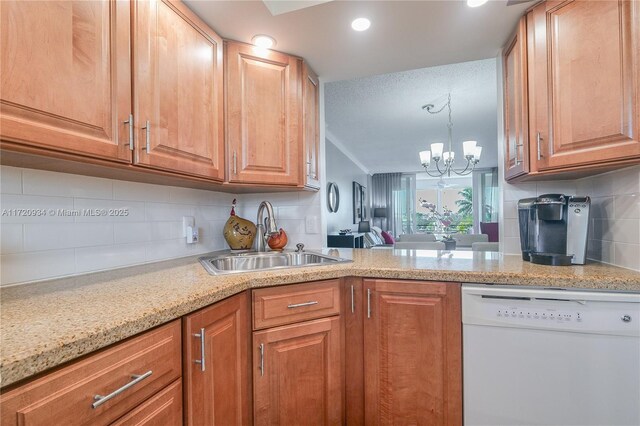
(534, 356)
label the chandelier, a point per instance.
(471, 151)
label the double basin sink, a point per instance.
(233, 263)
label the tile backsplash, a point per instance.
(58, 238)
(614, 234)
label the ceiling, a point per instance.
(380, 122)
(404, 35)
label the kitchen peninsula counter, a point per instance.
(46, 324)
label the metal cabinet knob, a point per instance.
(626, 318)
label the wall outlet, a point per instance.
(192, 235)
(312, 224)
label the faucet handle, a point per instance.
(299, 247)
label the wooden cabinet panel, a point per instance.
(178, 90)
(298, 378)
(584, 92)
(516, 117)
(263, 99)
(412, 346)
(66, 76)
(311, 126)
(218, 392)
(162, 409)
(353, 312)
(66, 395)
(294, 303)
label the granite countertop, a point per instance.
(43, 325)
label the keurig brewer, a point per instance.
(554, 229)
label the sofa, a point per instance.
(467, 240)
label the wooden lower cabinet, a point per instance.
(216, 374)
(162, 409)
(100, 388)
(412, 353)
(297, 374)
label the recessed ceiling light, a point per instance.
(263, 41)
(361, 24)
(476, 3)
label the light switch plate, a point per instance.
(187, 222)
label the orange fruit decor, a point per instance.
(279, 241)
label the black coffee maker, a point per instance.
(554, 229)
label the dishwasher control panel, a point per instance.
(538, 314)
(542, 309)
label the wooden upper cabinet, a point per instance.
(178, 97)
(311, 126)
(218, 391)
(584, 92)
(66, 76)
(263, 98)
(516, 118)
(297, 374)
(412, 353)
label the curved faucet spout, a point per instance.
(270, 222)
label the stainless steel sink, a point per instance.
(233, 263)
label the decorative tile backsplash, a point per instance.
(66, 230)
(614, 234)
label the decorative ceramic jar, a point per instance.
(238, 232)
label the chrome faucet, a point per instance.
(270, 222)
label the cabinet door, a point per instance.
(263, 115)
(217, 375)
(66, 76)
(178, 91)
(353, 308)
(584, 98)
(516, 118)
(412, 347)
(311, 126)
(297, 374)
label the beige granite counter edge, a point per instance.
(46, 357)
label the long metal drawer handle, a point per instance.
(368, 303)
(147, 132)
(130, 123)
(298, 305)
(538, 139)
(201, 360)
(261, 348)
(353, 301)
(137, 378)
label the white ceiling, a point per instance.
(404, 35)
(380, 122)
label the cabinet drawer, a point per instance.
(294, 303)
(125, 375)
(162, 409)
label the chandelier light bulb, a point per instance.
(448, 156)
(469, 148)
(425, 158)
(477, 153)
(436, 150)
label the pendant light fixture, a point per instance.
(470, 150)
